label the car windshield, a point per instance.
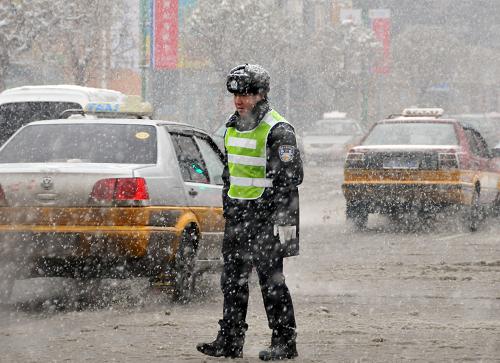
(92, 143)
(337, 128)
(415, 133)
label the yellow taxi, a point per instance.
(419, 160)
(96, 197)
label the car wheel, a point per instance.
(473, 216)
(357, 214)
(185, 266)
(7, 281)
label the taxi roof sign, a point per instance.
(132, 106)
(426, 112)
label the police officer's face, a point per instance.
(245, 103)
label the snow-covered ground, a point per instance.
(391, 293)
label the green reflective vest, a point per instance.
(246, 157)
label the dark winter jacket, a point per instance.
(278, 204)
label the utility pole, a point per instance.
(145, 25)
(364, 75)
(104, 55)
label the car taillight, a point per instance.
(131, 189)
(120, 189)
(448, 161)
(354, 160)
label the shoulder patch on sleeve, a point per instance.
(286, 152)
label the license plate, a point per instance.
(400, 163)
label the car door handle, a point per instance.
(192, 192)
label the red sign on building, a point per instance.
(381, 26)
(166, 34)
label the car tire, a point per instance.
(357, 214)
(8, 273)
(473, 215)
(185, 266)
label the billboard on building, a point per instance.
(381, 26)
(165, 34)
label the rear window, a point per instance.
(87, 143)
(412, 134)
(15, 115)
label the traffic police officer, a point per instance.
(261, 206)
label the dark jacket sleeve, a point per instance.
(226, 183)
(285, 168)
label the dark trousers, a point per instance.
(255, 250)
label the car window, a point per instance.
(477, 144)
(482, 145)
(418, 133)
(485, 126)
(191, 162)
(212, 159)
(87, 143)
(15, 115)
(471, 141)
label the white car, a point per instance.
(21, 105)
(330, 138)
(110, 198)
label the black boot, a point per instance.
(282, 346)
(229, 342)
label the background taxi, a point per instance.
(87, 197)
(329, 139)
(418, 160)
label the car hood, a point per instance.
(57, 184)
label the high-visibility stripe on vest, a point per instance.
(246, 157)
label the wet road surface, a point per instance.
(393, 292)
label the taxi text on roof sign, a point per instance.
(102, 107)
(131, 106)
(432, 112)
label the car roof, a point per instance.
(337, 120)
(470, 115)
(402, 119)
(423, 119)
(119, 121)
(60, 93)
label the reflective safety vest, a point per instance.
(246, 157)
